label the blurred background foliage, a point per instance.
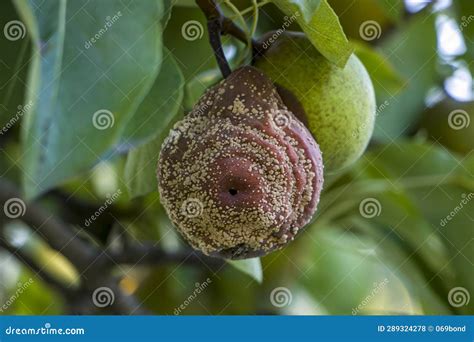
(418, 169)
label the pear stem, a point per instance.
(214, 26)
(217, 25)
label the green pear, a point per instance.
(339, 104)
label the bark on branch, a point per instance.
(93, 263)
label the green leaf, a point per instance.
(400, 214)
(155, 116)
(14, 44)
(251, 267)
(93, 63)
(413, 187)
(458, 236)
(193, 52)
(415, 59)
(321, 26)
(307, 8)
(402, 259)
(413, 159)
(140, 168)
(159, 107)
(446, 206)
(168, 8)
(196, 87)
(381, 71)
(346, 274)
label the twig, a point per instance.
(67, 292)
(93, 263)
(214, 25)
(58, 234)
(81, 254)
(148, 254)
(219, 24)
(230, 28)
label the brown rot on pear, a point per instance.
(240, 175)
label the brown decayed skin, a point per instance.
(240, 175)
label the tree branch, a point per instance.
(149, 254)
(65, 291)
(93, 263)
(57, 234)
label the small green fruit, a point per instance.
(339, 103)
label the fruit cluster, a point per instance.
(241, 174)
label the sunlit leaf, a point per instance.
(321, 26)
(252, 267)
